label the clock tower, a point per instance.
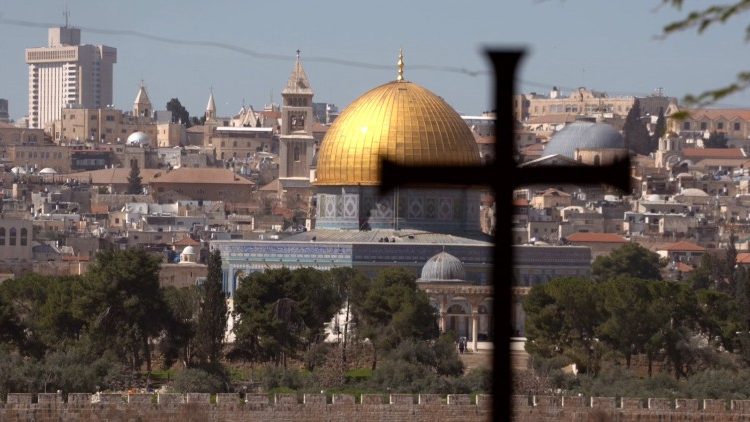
(296, 140)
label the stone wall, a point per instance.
(625, 409)
(84, 407)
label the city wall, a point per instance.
(84, 407)
(602, 409)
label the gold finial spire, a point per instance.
(400, 64)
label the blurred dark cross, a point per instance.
(503, 176)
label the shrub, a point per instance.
(196, 380)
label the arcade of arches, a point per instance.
(464, 309)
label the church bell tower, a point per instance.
(296, 140)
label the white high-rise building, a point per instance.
(67, 74)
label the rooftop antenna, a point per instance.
(66, 14)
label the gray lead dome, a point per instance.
(584, 135)
(443, 267)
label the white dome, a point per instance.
(47, 170)
(693, 192)
(138, 139)
(188, 255)
(18, 170)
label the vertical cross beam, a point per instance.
(502, 176)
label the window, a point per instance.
(597, 160)
(12, 240)
(736, 125)
(296, 153)
(2, 236)
(720, 125)
(686, 125)
(24, 237)
(704, 125)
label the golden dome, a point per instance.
(401, 121)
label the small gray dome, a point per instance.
(584, 135)
(443, 267)
(138, 139)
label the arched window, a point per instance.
(2, 236)
(12, 236)
(296, 153)
(24, 237)
(596, 160)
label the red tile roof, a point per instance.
(596, 238)
(537, 148)
(187, 241)
(683, 246)
(319, 127)
(735, 153)
(99, 208)
(683, 267)
(743, 258)
(719, 113)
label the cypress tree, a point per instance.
(135, 187)
(212, 315)
(660, 129)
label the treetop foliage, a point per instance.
(631, 259)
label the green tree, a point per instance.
(128, 304)
(631, 260)
(675, 311)
(350, 286)
(46, 309)
(660, 129)
(562, 318)
(636, 135)
(135, 185)
(179, 113)
(282, 313)
(393, 310)
(11, 330)
(179, 341)
(700, 278)
(629, 326)
(719, 318)
(716, 140)
(212, 316)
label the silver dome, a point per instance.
(584, 135)
(443, 267)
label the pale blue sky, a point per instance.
(607, 45)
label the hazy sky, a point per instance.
(607, 45)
